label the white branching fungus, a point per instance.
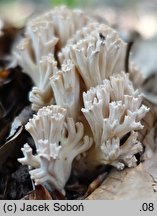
(91, 29)
(58, 141)
(44, 35)
(114, 111)
(64, 23)
(65, 54)
(36, 57)
(42, 94)
(97, 55)
(66, 88)
(39, 41)
(29, 158)
(45, 31)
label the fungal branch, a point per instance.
(66, 87)
(43, 39)
(114, 111)
(58, 141)
(97, 55)
(46, 31)
(42, 94)
(92, 28)
(73, 144)
(44, 35)
(39, 41)
(66, 23)
(35, 55)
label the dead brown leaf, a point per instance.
(4, 74)
(95, 184)
(129, 184)
(150, 166)
(40, 193)
(11, 149)
(17, 137)
(147, 136)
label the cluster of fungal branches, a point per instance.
(84, 102)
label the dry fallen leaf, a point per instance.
(95, 184)
(11, 149)
(15, 185)
(40, 193)
(20, 121)
(129, 184)
(4, 74)
(16, 138)
(150, 166)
